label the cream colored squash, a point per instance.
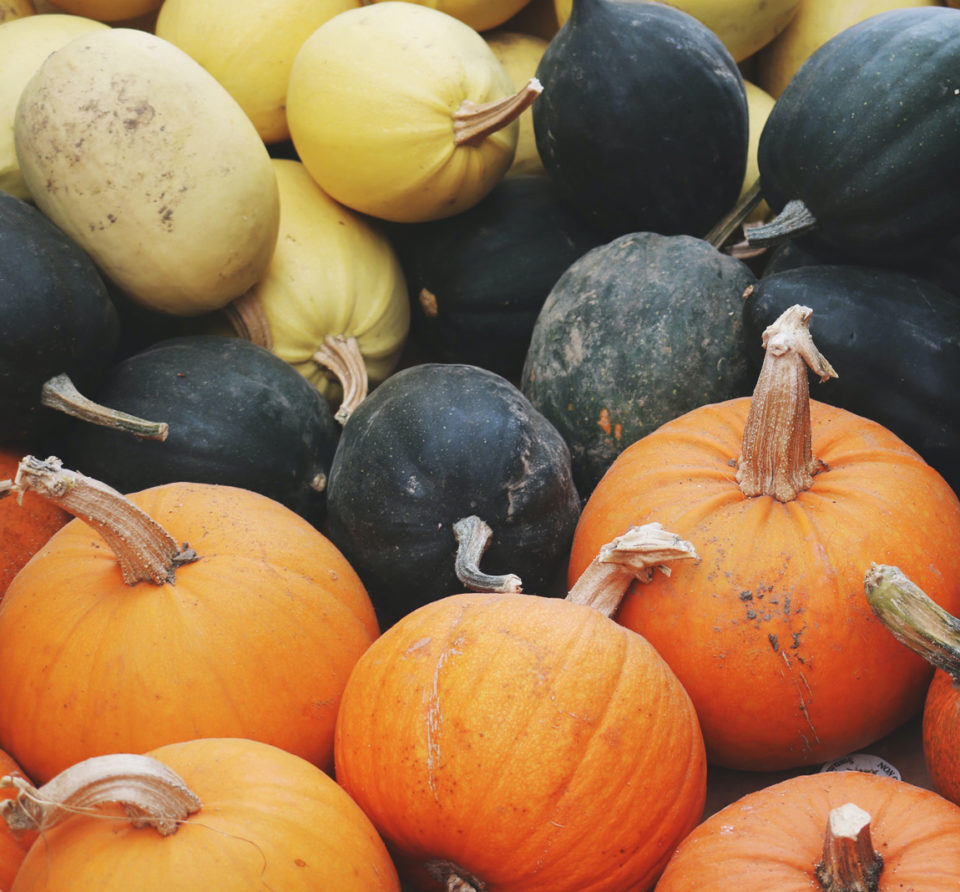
(24, 44)
(478, 14)
(744, 26)
(815, 23)
(376, 100)
(108, 10)
(759, 105)
(142, 158)
(249, 46)
(334, 272)
(520, 54)
(15, 9)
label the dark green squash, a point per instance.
(861, 147)
(56, 317)
(635, 333)
(237, 415)
(436, 443)
(894, 340)
(478, 280)
(642, 122)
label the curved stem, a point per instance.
(59, 393)
(775, 454)
(727, 225)
(914, 618)
(473, 123)
(633, 556)
(247, 319)
(341, 354)
(145, 551)
(849, 862)
(473, 536)
(151, 794)
(795, 219)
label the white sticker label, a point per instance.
(863, 762)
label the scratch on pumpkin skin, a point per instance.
(803, 707)
(434, 719)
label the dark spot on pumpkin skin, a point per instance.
(773, 642)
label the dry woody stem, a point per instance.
(473, 123)
(341, 355)
(473, 537)
(849, 862)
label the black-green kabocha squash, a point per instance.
(635, 333)
(860, 150)
(478, 280)
(642, 122)
(237, 415)
(894, 340)
(434, 444)
(56, 317)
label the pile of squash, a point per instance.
(410, 477)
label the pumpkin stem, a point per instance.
(152, 795)
(775, 454)
(59, 393)
(454, 878)
(633, 556)
(473, 536)
(914, 618)
(248, 321)
(795, 219)
(849, 862)
(473, 123)
(145, 551)
(341, 354)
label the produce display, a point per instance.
(479, 445)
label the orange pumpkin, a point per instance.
(926, 628)
(249, 632)
(776, 839)
(12, 848)
(787, 502)
(25, 527)
(519, 742)
(266, 820)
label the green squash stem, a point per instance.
(849, 862)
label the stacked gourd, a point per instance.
(257, 596)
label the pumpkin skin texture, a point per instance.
(634, 333)
(662, 145)
(431, 445)
(255, 639)
(268, 819)
(370, 106)
(45, 276)
(527, 740)
(941, 731)
(769, 631)
(772, 839)
(146, 192)
(832, 141)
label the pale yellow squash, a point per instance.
(743, 26)
(375, 101)
(15, 9)
(759, 105)
(249, 46)
(24, 44)
(334, 272)
(141, 157)
(478, 14)
(815, 23)
(108, 10)
(520, 54)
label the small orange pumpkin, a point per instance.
(236, 815)
(801, 834)
(787, 502)
(12, 848)
(250, 631)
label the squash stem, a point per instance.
(248, 320)
(473, 535)
(849, 863)
(151, 794)
(473, 123)
(453, 878)
(633, 556)
(914, 618)
(727, 225)
(795, 219)
(145, 551)
(61, 394)
(341, 355)
(776, 456)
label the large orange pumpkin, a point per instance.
(518, 742)
(266, 820)
(776, 840)
(255, 638)
(787, 502)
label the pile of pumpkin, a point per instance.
(434, 492)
